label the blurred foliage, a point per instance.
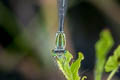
(13, 39)
(113, 63)
(34, 40)
(102, 46)
(9, 24)
(8, 20)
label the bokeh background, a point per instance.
(27, 35)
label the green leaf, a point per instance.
(102, 48)
(69, 71)
(111, 64)
(113, 61)
(117, 53)
(104, 44)
(76, 65)
(63, 63)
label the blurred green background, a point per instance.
(27, 35)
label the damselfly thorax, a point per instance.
(60, 43)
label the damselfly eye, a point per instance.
(58, 53)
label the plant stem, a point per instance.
(99, 69)
(112, 74)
